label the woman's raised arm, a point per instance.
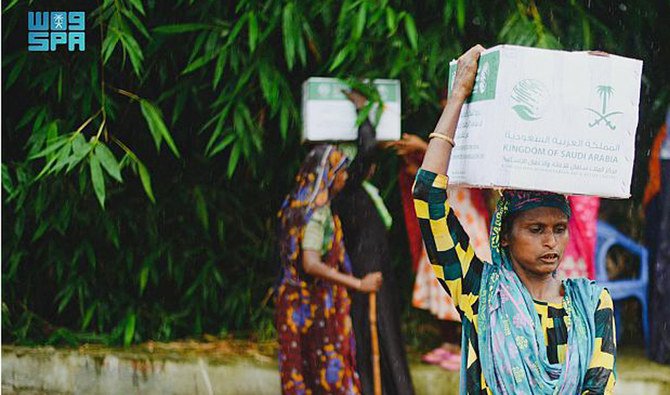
(437, 156)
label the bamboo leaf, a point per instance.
(460, 15)
(157, 127)
(88, 316)
(60, 84)
(144, 278)
(145, 177)
(137, 23)
(51, 147)
(7, 183)
(287, 36)
(201, 208)
(341, 56)
(412, 35)
(108, 161)
(223, 144)
(133, 50)
(199, 62)
(283, 121)
(138, 4)
(234, 157)
(391, 24)
(97, 179)
(253, 31)
(359, 23)
(80, 148)
(181, 28)
(10, 5)
(129, 330)
(218, 70)
(237, 28)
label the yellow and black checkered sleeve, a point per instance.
(600, 377)
(448, 246)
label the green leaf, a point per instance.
(137, 23)
(64, 158)
(218, 70)
(237, 28)
(133, 50)
(10, 5)
(108, 161)
(15, 73)
(7, 183)
(287, 35)
(51, 147)
(363, 114)
(98, 179)
(391, 24)
(339, 58)
(88, 316)
(144, 278)
(146, 181)
(223, 144)
(268, 84)
(201, 208)
(412, 35)
(129, 330)
(359, 23)
(44, 225)
(234, 157)
(283, 121)
(199, 62)
(460, 15)
(253, 31)
(181, 28)
(138, 4)
(65, 296)
(80, 148)
(60, 84)
(159, 131)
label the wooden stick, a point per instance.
(374, 340)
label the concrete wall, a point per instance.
(32, 371)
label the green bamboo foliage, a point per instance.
(141, 177)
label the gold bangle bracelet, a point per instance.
(443, 137)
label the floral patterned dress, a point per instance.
(317, 349)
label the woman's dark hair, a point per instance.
(507, 223)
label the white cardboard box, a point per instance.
(549, 120)
(328, 115)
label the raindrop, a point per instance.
(623, 7)
(476, 21)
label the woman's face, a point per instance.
(537, 240)
(340, 181)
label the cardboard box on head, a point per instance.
(549, 120)
(328, 115)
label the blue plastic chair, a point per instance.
(637, 288)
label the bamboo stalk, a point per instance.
(374, 340)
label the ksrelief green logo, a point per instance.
(605, 93)
(532, 99)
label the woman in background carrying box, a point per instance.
(316, 343)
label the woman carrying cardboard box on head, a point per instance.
(317, 351)
(524, 330)
(365, 223)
